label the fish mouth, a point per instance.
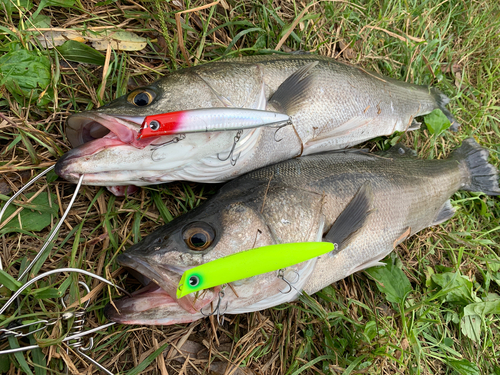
(156, 303)
(90, 133)
(88, 127)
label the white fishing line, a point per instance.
(54, 232)
(31, 182)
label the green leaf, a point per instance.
(40, 22)
(9, 282)
(456, 288)
(4, 363)
(471, 327)
(464, 367)
(371, 330)
(49, 3)
(47, 293)
(9, 7)
(483, 308)
(80, 52)
(160, 205)
(58, 3)
(14, 344)
(39, 359)
(474, 315)
(35, 216)
(391, 281)
(436, 122)
(140, 368)
(51, 176)
(24, 73)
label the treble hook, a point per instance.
(161, 145)
(279, 128)
(217, 308)
(236, 139)
(281, 275)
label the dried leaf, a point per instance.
(120, 40)
(52, 39)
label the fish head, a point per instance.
(205, 234)
(106, 148)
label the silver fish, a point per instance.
(365, 203)
(332, 106)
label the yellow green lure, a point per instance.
(249, 263)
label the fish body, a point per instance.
(299, 200)
(331, 106)
(209, 120)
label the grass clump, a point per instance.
(441, 317)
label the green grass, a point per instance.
(357, 325)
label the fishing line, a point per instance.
(54, 232)
(31, 182)
(77, 332)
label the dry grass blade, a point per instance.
(350, 326)
(179, 27)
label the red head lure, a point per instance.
(209, 120)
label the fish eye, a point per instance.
(141, 97)
(198, 235)
(194, 281)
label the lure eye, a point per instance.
(198, 236)
(154, 125)
(141, 97)
(194, 281)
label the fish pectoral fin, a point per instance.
(446, 212)
(294, 90)
(351, 219)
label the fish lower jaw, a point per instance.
(149, 305)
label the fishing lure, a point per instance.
(209, 120)
(249, 263)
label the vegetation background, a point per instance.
(434, 308)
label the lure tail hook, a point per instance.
(281, 275)
(278, 129)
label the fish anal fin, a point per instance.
(351, 219)
(415, 125)
(398, 150)
(294, 90)
(446, 212)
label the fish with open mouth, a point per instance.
(331, 106)
(365, 203)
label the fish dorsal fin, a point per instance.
(294, 90)
(351, 219)
(446, 212)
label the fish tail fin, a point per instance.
(478, 174)
(442, 100)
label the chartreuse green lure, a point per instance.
(249, 263)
